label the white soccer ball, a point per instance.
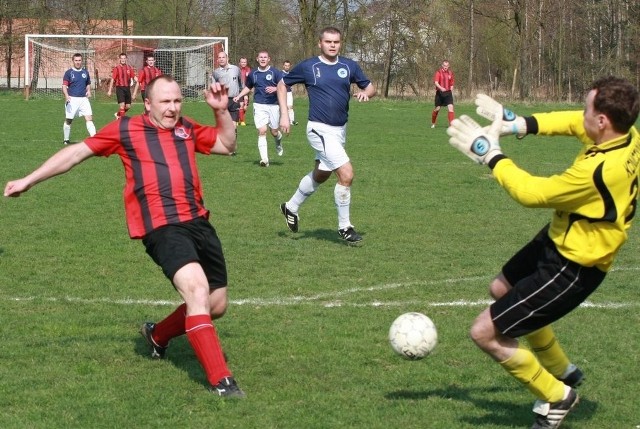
(413, 336)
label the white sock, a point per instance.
(262, 148)
(306, 188)
(342, 196)
(292, 115)
(278, 137)
(91, 128)
(66, 131)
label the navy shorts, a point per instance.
(546, 286)
(123, 94)
(176, 245)
(443, 98)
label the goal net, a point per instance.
(190, 60)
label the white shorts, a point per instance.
(266, 114)
(77, 106)
(328, 142)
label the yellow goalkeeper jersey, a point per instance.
(594, 199)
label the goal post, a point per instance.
(190, 60)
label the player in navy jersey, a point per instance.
(164, 208)
(76, 87)
(266, 114)
(328, 78)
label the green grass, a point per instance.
(306, 329)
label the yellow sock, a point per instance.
(524, 366)
(544, 344)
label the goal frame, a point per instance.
(27, 37)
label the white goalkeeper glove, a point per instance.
(479, 144)
(511, 123)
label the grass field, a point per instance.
(306, 329)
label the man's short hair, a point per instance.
(149, 89)
(330, 30)
(617, 99)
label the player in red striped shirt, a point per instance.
(244, 103)
(122, 75)
(443, 79)
(146, 75)
(164, 208)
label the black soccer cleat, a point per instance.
(66, 142)
(349, 235)
(228, 388)
(290, 217)
(157, 352)
(574, 378)
(550, 415)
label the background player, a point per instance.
(146, 75)
(266, 114)
(244, 102)
(443, 80)
(121, 76)
(286, 66)
(328, 80)
(76, 87)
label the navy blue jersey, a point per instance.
(284, 73)
(259, 80)
(76, 81)
(329, 87)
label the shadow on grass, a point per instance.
(180, 354)
(323, 234)
(498, 412)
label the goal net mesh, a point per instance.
(189, 60)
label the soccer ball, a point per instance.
(413, 336)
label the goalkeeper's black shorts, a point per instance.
(546, 286)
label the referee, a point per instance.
(229, 75)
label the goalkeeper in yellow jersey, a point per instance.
(594, 202)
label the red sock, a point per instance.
(451, 117)
(204, 340)
(171, 326)
(434, 116)
(241, 115)
(121, 113)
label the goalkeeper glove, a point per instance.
(479, 144)
(511, 123)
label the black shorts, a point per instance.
(123, 94)
(234, 109)
(176, 245)
(546, 286)
(443, 98)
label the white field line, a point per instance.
(331, 299)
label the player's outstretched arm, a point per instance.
(61, 162)
(479, 144)
(511, 123)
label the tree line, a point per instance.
(525, 49)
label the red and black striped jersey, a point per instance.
(122, 75)
(147, 74)
(162, 181)
(444, 78)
